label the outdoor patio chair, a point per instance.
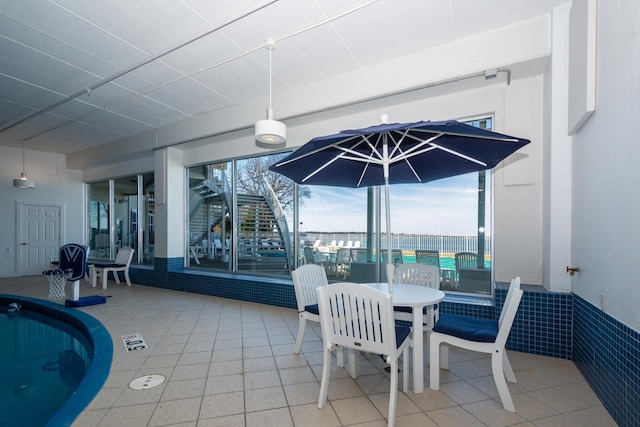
(420, 275)
(360, 318)
(342, 263)
(121, 264)
(480, 335)
(396, 256)
(306, 279)
(428, 257)
(466, 260)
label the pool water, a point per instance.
(42, 362)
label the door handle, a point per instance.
(24, 244)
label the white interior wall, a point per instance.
(606, 206)
(54, 185)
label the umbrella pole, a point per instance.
(385, 168)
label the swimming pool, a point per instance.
(80, 353)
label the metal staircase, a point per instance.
(261, 221)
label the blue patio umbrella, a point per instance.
(396, 153)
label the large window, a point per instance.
(121, 213)
(242, 217)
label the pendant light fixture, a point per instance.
(270, 131)
(23, 181)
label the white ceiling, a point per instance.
(76, 74)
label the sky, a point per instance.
(447, 206)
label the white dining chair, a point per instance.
(306, 279)
(360, 318)
(120, 264)
(420, 275)
(480, 335)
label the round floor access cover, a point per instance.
(148, 381)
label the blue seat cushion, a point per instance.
(402, 332)
(312, 308)
(110, 265)
(467, 328)
(407, 309)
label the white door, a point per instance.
(38, 237)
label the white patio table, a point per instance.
(415, 297)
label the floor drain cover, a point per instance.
(148, 381)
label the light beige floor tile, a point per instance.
(264, 398)
(592, 417)
(130, 416)
(404, 405)
(260, 364)
(256, 352)
(190, 372)
(264, 379)
(415, 420)
(218, 405)
(176, 411)
(343, 388)
(225, 367)
(454, 416)
(556, 399)
(492, 413)
(310, 416)
(462, 392)
(224, 384)
(280, 417)
(183, 389)
(302, 394)
(356, 410)
(229, 421)
(297, 375)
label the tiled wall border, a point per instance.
(607, 352)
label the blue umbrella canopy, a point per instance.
(411, 153)
(397, 153)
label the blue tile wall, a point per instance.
(543, 324)
(607, 353)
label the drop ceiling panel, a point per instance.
(150, 112)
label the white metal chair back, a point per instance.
(360, 318)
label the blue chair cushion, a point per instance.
(402, 332)
(467, 328)
(313, 309)
(407, 309)
(111, 265)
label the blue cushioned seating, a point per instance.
(109, 265)
(467, 328)
(402, 332)
(312, 308)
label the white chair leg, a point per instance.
(353, 367)
(115, 276)
(340, 356)
(508, 370)
(324, 383)
(105, 275)
(300, 337)
(501, 383)
(444, 356)
(127, 278)
(434, 364)
(405, 370)
(393, 392)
